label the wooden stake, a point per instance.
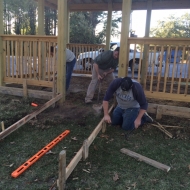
(62, 170)
(145, 159)
(85, 150)
(2, 126)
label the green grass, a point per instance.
(105, 159)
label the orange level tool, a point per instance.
(38, 155)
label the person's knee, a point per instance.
(128, 126)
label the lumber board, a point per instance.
(145, 159)
(25, 119)
(97, 129)
(170, 110)
(71, 166)
(31, 93)
(167, 96)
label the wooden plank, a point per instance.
(31, 93)
(145, 159)
(25, 88)
(170, 110)
(181, 67)
(173, 70)
(62, 170)
(12, 53)
(160, 69)
(153, 64)
(33, 82)
(1, 42)
(168, 96)
(166, 69)
(25, 119)
(79, 154)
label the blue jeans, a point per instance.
(69, 70)
(125, 117)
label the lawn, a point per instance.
(106, 167)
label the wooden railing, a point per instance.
(28, 61)
(170, 77)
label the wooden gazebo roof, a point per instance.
(101, 5)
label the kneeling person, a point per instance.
(130, 112)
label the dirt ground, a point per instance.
(74, 108)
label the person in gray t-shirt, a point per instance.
(103, 67)
(130, 112)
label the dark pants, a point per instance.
(69, 70)
(125, 117)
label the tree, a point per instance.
(173, 27)
(83, 25)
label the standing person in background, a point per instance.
(130, 113)
(70, 63)
(103, 67)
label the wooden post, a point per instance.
(68, 23)
(25, 88)
(41, 18)
(159, 112)
(62, 170)
(62, 34)
(124, 54)
(146, 47)
(2, 126)
(104, 127)
(109, 25)
(1, 44)
(85, 150)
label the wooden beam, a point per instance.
(109, 25)
(88, 142)
(25, 119)
(124, 45)
(31, 93)
(145, 159)
(32, 82)
(41, 17)
(1, 44)
(62, 34)
(168, 96)
(137, 5)
(169, 110)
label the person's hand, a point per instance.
(105, 74)
(100, 77)
(107, 119)
(137, 123)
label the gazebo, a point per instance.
(41, 69)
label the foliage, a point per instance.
(173, 27)
(21, 13)
(83, 25)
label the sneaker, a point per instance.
(148, 119)
(88, 101)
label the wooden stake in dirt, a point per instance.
(62, 170)
(2, 126)
(145, 159)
